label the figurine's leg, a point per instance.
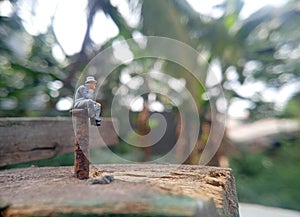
(81, 104)
(97, 115)
(97, 112)
(89, 105)
(91, 108)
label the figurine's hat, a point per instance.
(90, 79)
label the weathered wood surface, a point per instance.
(27, 139)
(81, 152)
(144, 189)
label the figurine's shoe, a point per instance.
(98, 122)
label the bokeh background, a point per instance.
(252, 49)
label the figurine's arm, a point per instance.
(85, 93)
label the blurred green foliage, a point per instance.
(292, 108)
(262, 49)
(28, 71)
(270, 177)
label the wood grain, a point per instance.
(27, 139)
(144, 189)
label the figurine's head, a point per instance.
(91, 82)
(90, 79)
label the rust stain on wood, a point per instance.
(81, 163)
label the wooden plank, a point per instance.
(144, 189)
(27, 139)
(81, 152)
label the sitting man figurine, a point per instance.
(84, 99)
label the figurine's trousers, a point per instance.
(93, 110)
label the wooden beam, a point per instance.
(81, 152)
(27, 139)
(142, 189)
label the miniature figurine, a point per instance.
(84, 98)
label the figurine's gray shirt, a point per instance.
(83, 93)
